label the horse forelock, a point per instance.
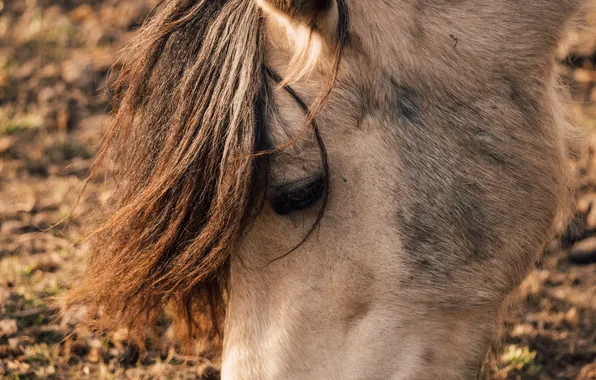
(189, 140)
(189, 118)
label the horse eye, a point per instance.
(297, 196)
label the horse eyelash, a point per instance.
(298, 198)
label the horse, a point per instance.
(335, 189)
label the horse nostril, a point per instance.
(297, 196)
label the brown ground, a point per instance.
(54, 59)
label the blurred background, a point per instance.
(55, 57)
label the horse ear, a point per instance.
(298, 10)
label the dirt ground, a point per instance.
(55, 57)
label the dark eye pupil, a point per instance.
(290, 198)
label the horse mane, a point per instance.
(191, 150)
(189, 119)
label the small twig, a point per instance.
(196, 359)
(32, 312)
